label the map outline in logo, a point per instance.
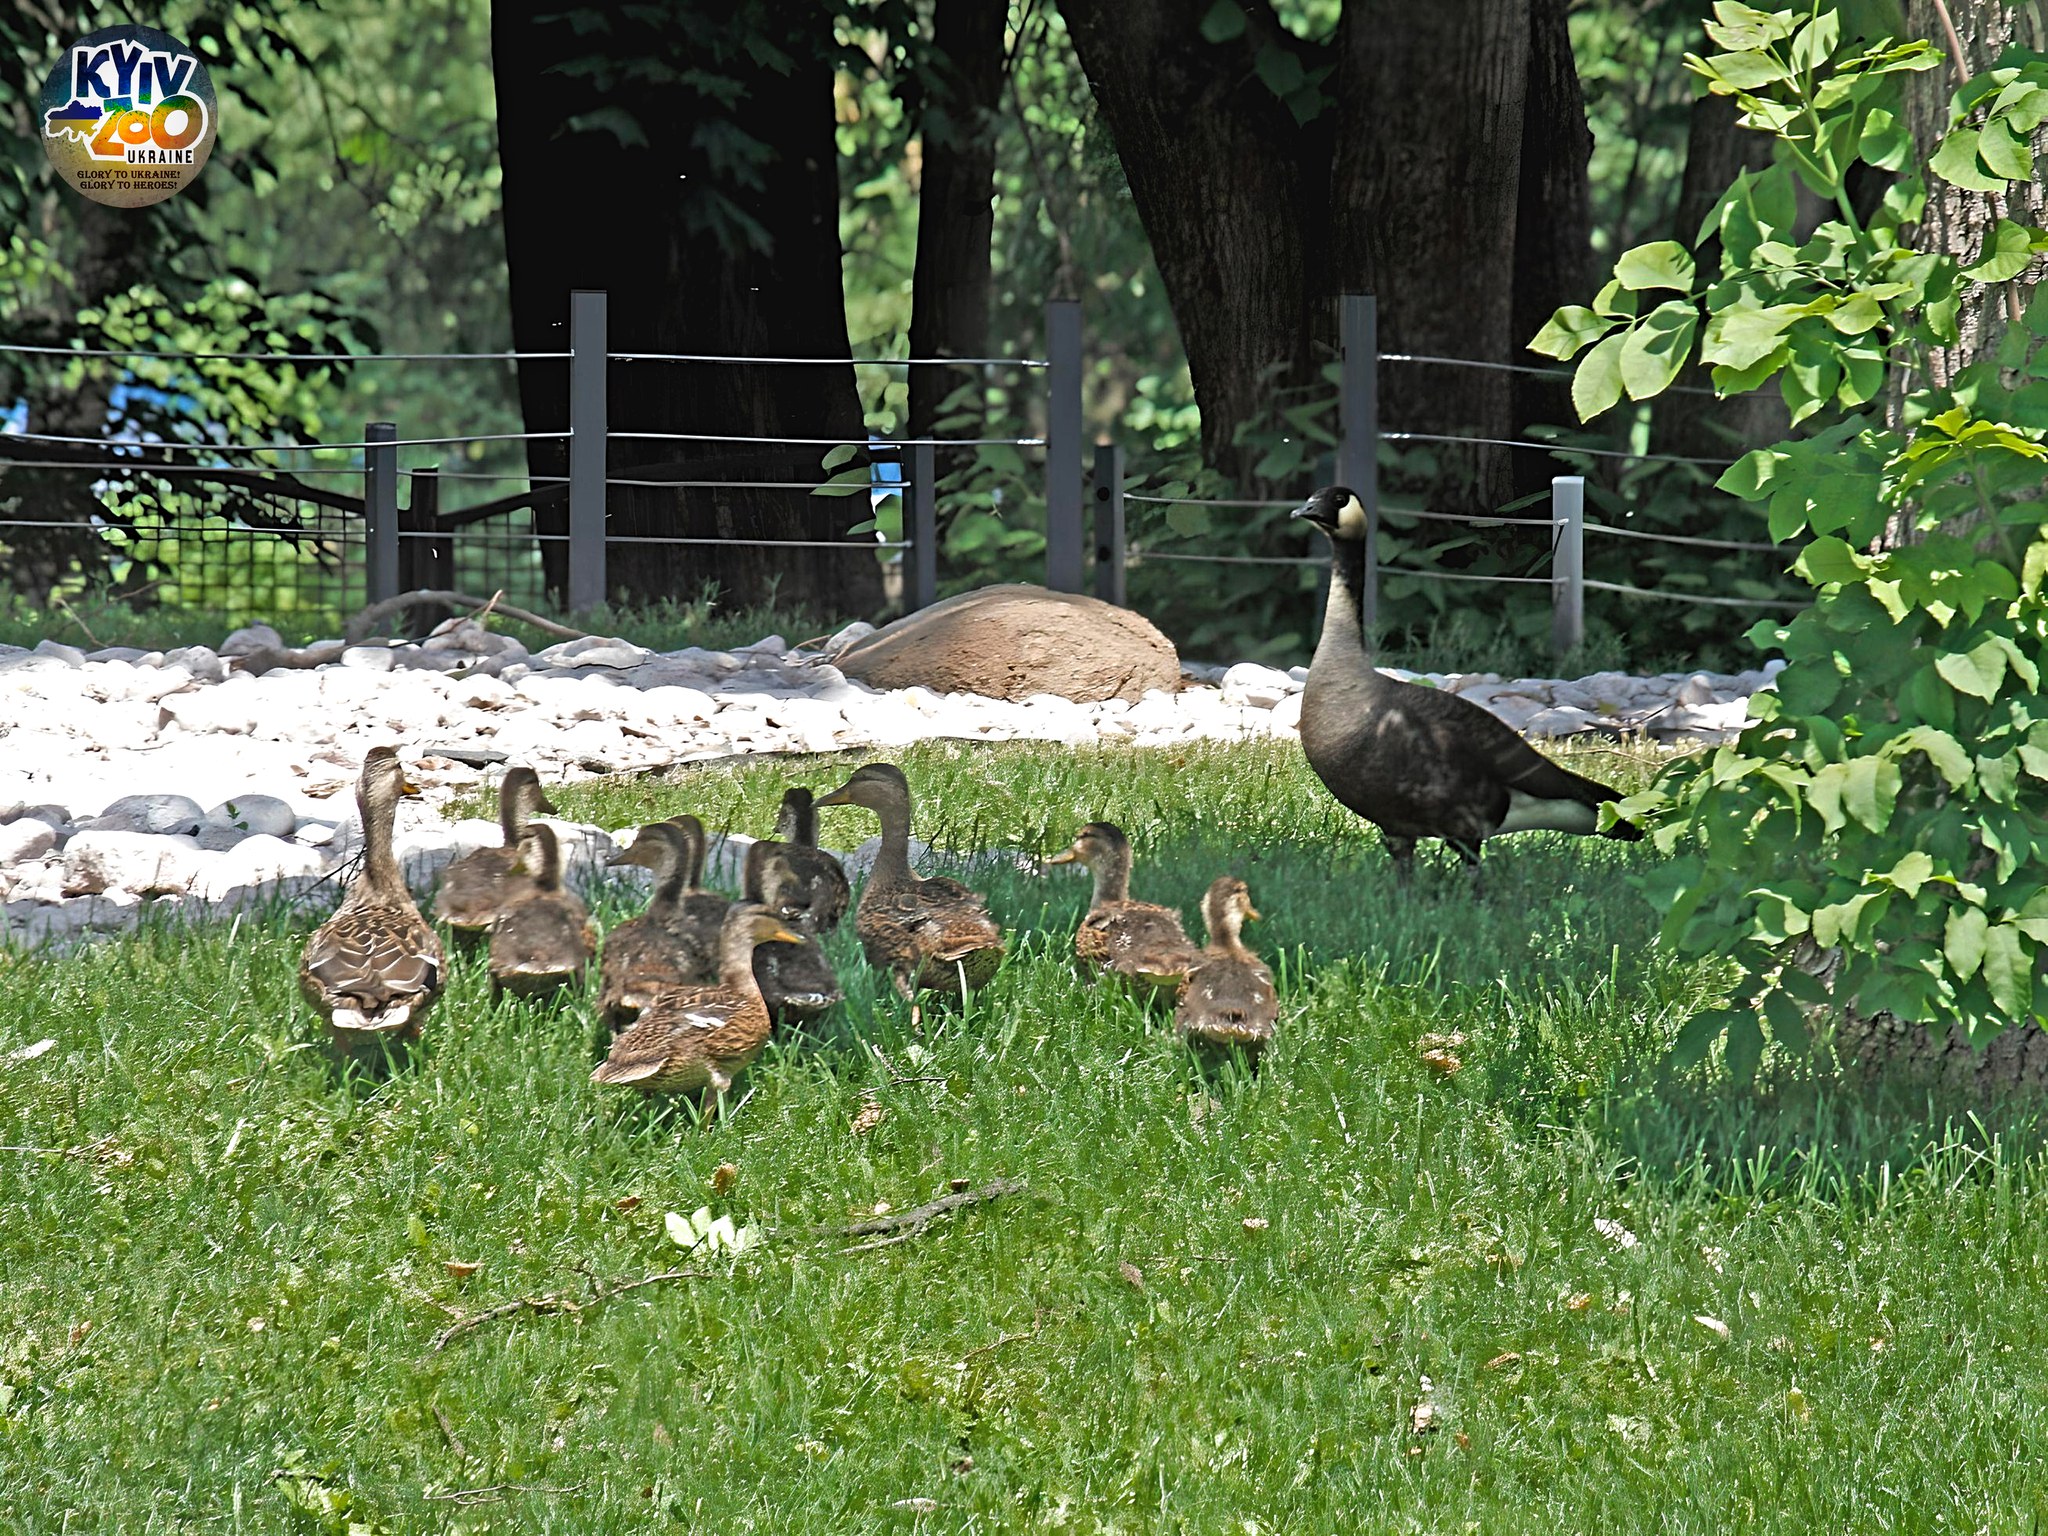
(128, 116)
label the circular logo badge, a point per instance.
(129, 116)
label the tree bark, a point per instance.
(949, 291)
(713, 226)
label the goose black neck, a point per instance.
(1343, 636)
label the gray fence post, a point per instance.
(380, 512)
(1567, 562)
(1063, 560)
(1108, 501)
(1358, 428)
(922, 590)
(587, 459)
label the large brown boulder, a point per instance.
(1013, 641)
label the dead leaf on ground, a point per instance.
(723, 1177)
(867, 1118)
(1256, 1223)
(1422, 1419)
(460, 1270)
(1615, 1232)
(1445, 1042)
(1578, 1301)
(629, 1203)
(1714, 1325)
(1443, 1063)
(1502, 1361)
(1134, 1277)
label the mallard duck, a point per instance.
(815, 892)
(796, 979)
(696, 1039)
(931, 935)
(1228, 997)
(1420, 762)
(374, 968)
(1134, 939)
(546, 937)
(699, 914)
(484, 881)
(642, 953)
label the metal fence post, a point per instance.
(923, 588)
(1063, 445)
(380, 512)
(587, 459)
(1567, 562)
(1108, 500)
(1358, 427)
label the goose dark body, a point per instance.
(1419, 762)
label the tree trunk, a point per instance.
(713, 226)
(949, 291)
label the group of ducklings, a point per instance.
(691, 988)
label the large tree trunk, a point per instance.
(1235, 210)
(949, 291)
(608, 185)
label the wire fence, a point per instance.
(219, 528)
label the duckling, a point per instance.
(1420, 762)
(374, 968)
(696, 1039)
(931, 935)
(1134, 939)
(642, 953)
(546, 938)
(485, 881)
(796, 979)
(1228, 997)
(699, 914)
(816, 890)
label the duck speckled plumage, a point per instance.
(796, 979)
(1420, 762)
(374, 968)
(815, 892)
(1228, 997)
(643, 954)
(483, 882)
(1137, 940)
(929, 935)
(697, 1039)
(699, 917)
(545, 938)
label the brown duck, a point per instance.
(815, 892)
(1137, 940)
(796, 979)
(699, 915)
(374, 968)
(642, 953)
(1228, 997)
(546, 937)
(484, 881)
(931, 935)
(696, 1039)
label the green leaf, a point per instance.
(2000, 777)
(1871, 791)
(1788, 1023)
(1856, 314)
(1279, 69)
(1963, 941)
(1745, 1047)
(1956, 162)
(2002, 154)
(1950, 760)
(1977, 672)
(1742, 334)
(1910, 873)
(1829, 559)
(1697, 1037)
(1808, 687)
(1224, 22)
(1816, 41)
(1570, 329)
(836, 456)
(2009, 972)
(1187, 519)
(1884, 142)
(2008, 251)
(1597, 385)
(1661, 264)
(1615, 301)
(1654, 350)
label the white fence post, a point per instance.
(1063, 536)
(587, 457)
(1567, 562)
(380, 512)
(1109, 523)
(1358, 426)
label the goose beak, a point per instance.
(1300, 511)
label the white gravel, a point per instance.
(133, 780)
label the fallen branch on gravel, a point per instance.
(897, 1227)
(358, 629)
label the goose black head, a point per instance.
(1336, 510)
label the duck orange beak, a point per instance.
(1251, 913)
(1066, 855)
(784, 936)
(836, 797)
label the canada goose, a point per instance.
(374, 968)
(929, 935)
(1138, 940)
(816, 893)
(1419, 762)
(1228, 997)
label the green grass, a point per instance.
(1880, 1277)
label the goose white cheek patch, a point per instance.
(1351, 520)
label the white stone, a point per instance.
(1559, 720)
(1248, 683)
(856, 631)
(257, 862)
(369, 658)
(70, 655)
(126, 654)
(593, 651)
(24, 839)
(138, 862)
(260, 814)
(198, 660)
(1287, 714)
(148, 814)
(251, 638)
(1697, 689)
(209, 711)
